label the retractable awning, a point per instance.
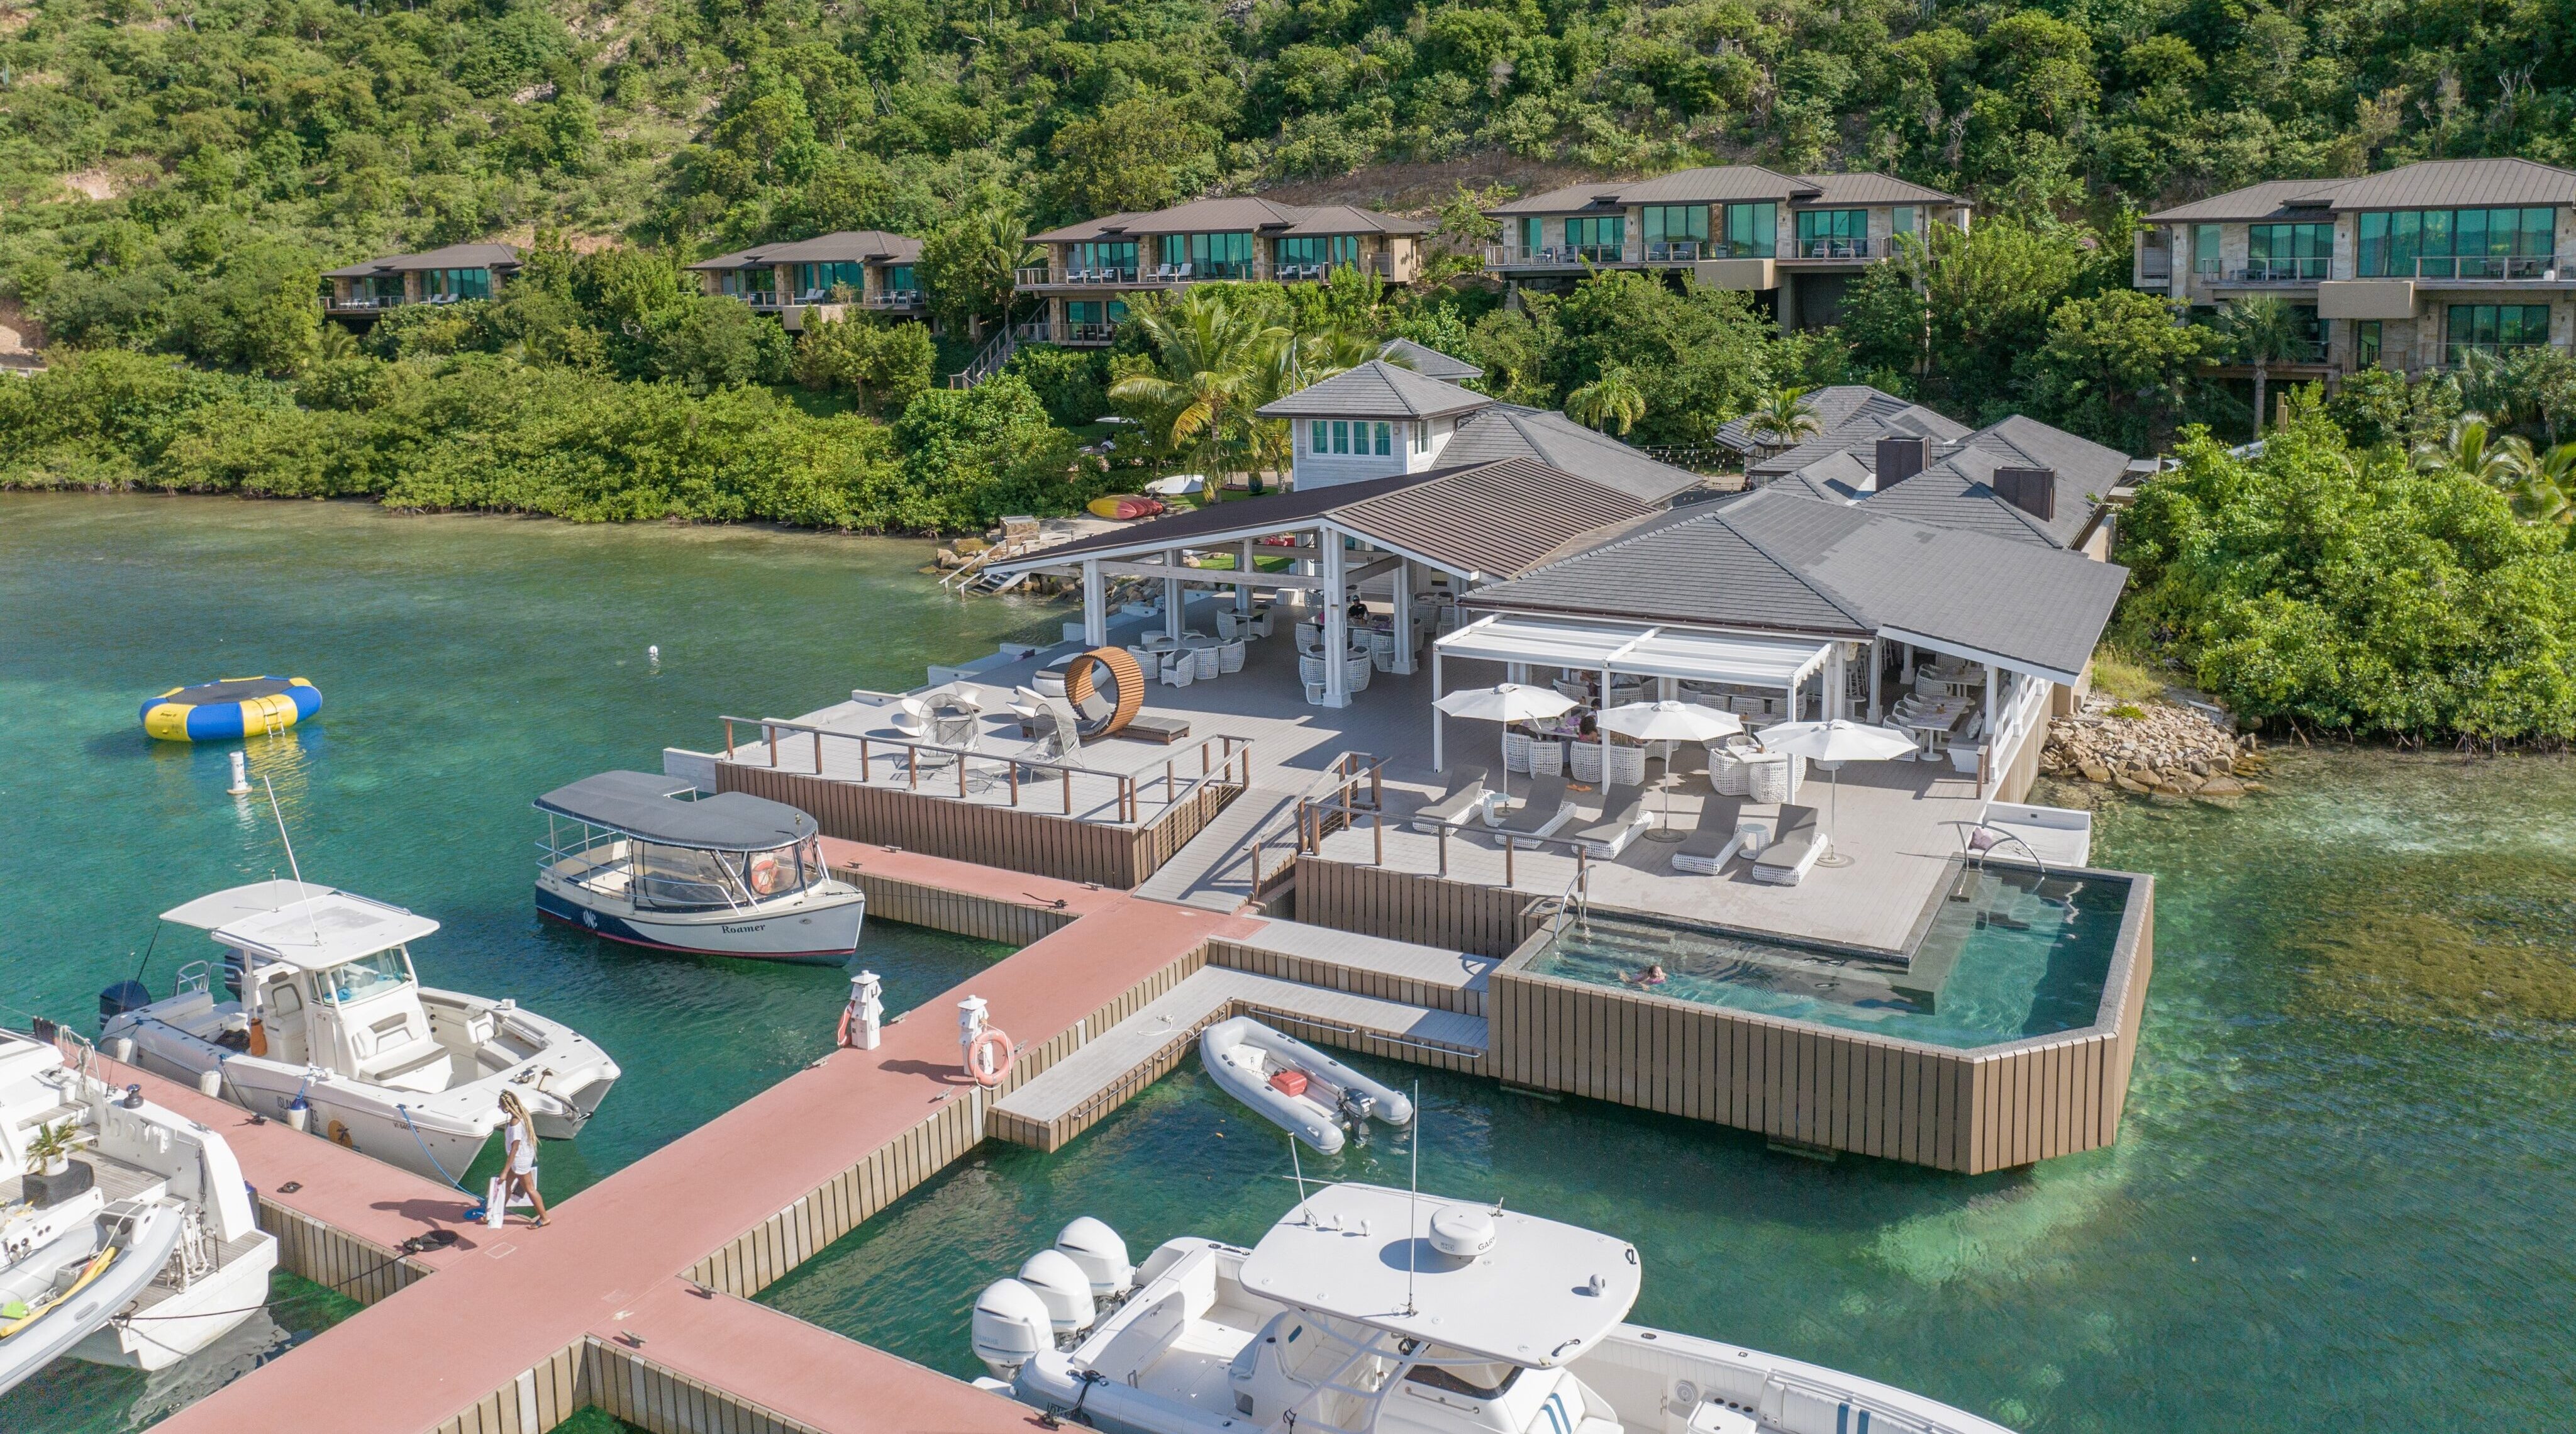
(1640, 649)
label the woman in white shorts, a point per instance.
(519, 1142)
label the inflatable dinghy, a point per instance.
(1296, 1087)
(88, 1261)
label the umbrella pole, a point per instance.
(1834, 819)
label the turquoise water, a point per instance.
(2340, 1201)
(2023, 955)
(2341, 1198)
(466, 664)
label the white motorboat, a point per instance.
(1295, 1086)
(651, 863)
(1373, 1311)
(140, 1248)
(332, 1032)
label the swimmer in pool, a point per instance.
(1653, 975)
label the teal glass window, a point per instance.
(1905, 219)
(822, 278)
(1102, 257)
(2366, 344)
(1531, 242)
(1210, 256)
(1602, 239)
(1330, 251)
(1676, 231)
(1833, 233)
(1752, 231)
(899, 279)
(2280, 252)
(2205, 251)
(456, 283)
(1319, 437)
(1341, 435)
(2517, 243)
(2490, 328)
(1382, 440)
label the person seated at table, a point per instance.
(1589, 729)
(1358, 615)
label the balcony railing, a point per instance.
(2282, 271)
(1833, 248)
(894, 299)
(2496, 267)
(1562, 256)
(1042, 331)
(1676, 251)
(366, 303)
(2157, 269)
(2457, 355)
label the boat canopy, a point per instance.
(647, 808)
(222, 908)
(1532, 1300)
(320, 932)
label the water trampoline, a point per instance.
(233, 707)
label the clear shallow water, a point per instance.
(2022, 956)
(2340, 1200)
(466, 664)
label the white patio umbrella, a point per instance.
(1829, 745)
(1506, 702)
(1669, 722)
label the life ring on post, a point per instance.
(989, 1058)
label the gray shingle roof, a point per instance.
(1850, 418)
(846, 246)
(1493, 519)
(1956, 490)
(1774, 560)
(1376, 389)
(454, 256)
(1869, 188)
(1507, 430)
(1224, 216)
(2427, 184)
(1710, 184)
(2272, 199)
(1427, 361)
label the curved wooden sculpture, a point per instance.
(1082, 689)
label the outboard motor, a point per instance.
(1101, 1255)
(1355, 1110)
(120, 998)
(1010, 1327)
(1064, 1289)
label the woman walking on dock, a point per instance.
(519, 1169)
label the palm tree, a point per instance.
(2548, 493)
(1289, 363)
(971, 268)
(2474, 450)
(2266, 330)
(1612, 402)
(1782, 418)
(1211, 360)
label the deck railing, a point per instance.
(1340, 779)
(1320, 818)
(1222, 758)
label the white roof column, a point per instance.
(1173, 598)
(1337, 630)
(1244, 568)
(1095, 606)
(1403, 616)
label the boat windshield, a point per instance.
(365, 978)
(1462, 1373)
(779, 872)
(684, 878)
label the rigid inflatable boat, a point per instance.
(1295, 1086)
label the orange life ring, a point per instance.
(764, 874)
(1000, 1061)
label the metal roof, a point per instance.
(1376, 389)
(2272, 199)
(454, 256)
(649, 808)
(1427, 361)
(847, 246)
(1711, 184)
(1779, 562)
(1218, 216)
(1870, 188)
(1640, 649)
(1508, 430)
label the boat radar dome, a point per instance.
(1010, 1327)
(1462, 1232)
(1063, 1287)
(1100, 1253)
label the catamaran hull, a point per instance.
(818, 929)
(184, 1323)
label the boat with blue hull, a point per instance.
(649, 861)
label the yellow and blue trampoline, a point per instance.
(215, 711)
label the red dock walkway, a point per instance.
(519, 1327)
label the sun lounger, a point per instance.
(1539, 814)
(1467, 797)
(1623, 815)
(1722, 835)
(1792, 851)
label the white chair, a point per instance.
(1310, 668)
(1226, 626)
(1261, 622)
(912, 719)
(1230, 656)
(1571, 691)
(1546, 758)
(1310, 638)
(1180, 670)
(1381, 646)
(1355, 673)
(1210, 660)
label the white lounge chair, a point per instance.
(1792, 851)
(1721, 835)
(1466, 798)
(1539, 814)
(1623, 816)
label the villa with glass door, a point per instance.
(2413, 269)
(361, 292)
(855, 268)
(1094, 268)
(1797, 240)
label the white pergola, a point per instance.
(1636, 649)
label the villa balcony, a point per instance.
(1042, 331)
(1562, 256)
(1847, 250)
(885, 299)
(2456, 356)
(2497, 269)
(363, 303)
(2278, 273)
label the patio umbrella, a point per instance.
(1669, 722)
(1829, 745)
(1506, 702)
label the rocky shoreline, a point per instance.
(2152, 747)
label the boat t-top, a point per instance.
(126, 1233)
(650, 862)
(330, 1030)
(1367, 1310)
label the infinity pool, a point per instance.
(2008, 954)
